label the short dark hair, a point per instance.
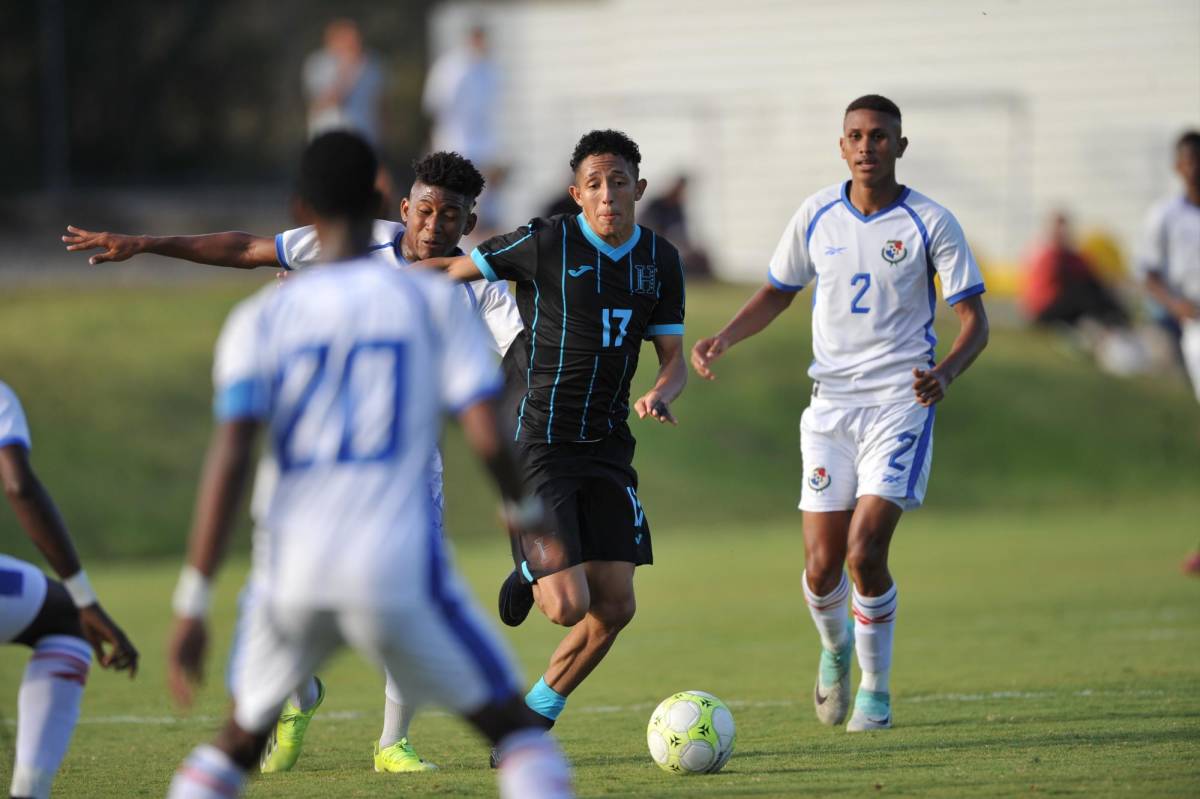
(606, 142)
(1190, 138)
(875, 102)
(337, 175)
(449, 171)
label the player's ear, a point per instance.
(472, 218)
(902, 146)
(404, 210)
(641, 189)
(573, 190)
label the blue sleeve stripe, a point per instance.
(487, 392)
(485, 268)
(954, 299)
(242, 400)
(514, 244)
(664, 330)
(19, 441)
(779, 284)
(808, 234)
(280, 254)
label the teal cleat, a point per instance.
(831, 693)
(872, 711)
(283, 747)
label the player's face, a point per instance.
(435, 219)
(871, 143)
(606, 187)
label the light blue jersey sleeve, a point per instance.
(14, 428)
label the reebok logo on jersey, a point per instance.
(831, 250)
(894, 251)
(583, 270)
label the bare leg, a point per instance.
(611, 608)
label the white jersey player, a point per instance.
(349, 369)
(870, 249)
(62, 622)
(1168, 259)
(436, 214)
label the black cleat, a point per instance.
(516, 598)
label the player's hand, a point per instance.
(930, 386)
(185, 658)
(652, 405)
(100, 630)
(116, 247)
(704, 352)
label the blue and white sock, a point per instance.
(207, 773)
(874, 624)
(47, 710)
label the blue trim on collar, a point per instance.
(893, 205)
(615, 253)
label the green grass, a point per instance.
(1045, 643)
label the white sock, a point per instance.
(829, 612)
(533, 767)
(47, 709)
(874, 623)
(306, 695)
(396, 714)
(207, 773)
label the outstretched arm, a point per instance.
(456, 267)
(233, 248)
(672, 377)
(226, 469)
(766, 304)
(930, 384)
(40, 518)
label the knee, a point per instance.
(565, 610)
(823, 571)
(613, 615)
(865, 558)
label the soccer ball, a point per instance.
(691, 732)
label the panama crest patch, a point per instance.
(818, 479)
(894, 251)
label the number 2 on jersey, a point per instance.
(865, 279)
(368, 399)
(607, 317)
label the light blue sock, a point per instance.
(545, 701)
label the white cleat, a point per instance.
(872, 711)
(833, 702)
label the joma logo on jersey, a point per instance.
(893, 251)
(645, 279)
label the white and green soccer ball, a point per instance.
(691, 732)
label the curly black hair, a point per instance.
(449, 171)
(337, 175)
(1190, 139)
(875, 102)
(607, 142)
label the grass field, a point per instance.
(1046, 642)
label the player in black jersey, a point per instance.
(590, 287)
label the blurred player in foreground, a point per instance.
(1169, 264)
(61, 621)
(871, 248)
(350, 367)
(591, 287)
(436, 214)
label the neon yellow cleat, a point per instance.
(399, 758)
(283, 747)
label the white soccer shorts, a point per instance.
(1190, 345)
(440, 650)
(22, 592)
(884, 451)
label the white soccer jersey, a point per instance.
(1170, 246)
(299, 247)
(873, 291)
(351, 366)
(14, 429)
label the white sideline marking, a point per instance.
(351, 715)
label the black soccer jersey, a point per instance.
(587, 307)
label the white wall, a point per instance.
(1012, 108)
